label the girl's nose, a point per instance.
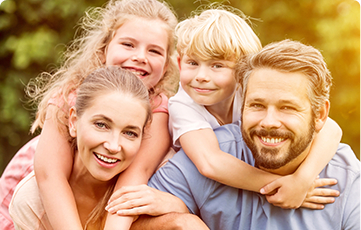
(140, 57)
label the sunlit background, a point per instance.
(34, 33)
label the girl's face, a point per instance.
(108, 134)
(140, 45)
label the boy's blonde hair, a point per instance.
(220, 32)
(86, 52)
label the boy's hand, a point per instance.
(290, 192)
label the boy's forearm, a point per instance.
(323, 148)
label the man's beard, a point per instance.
(267, 157)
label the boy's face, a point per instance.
(208, 83)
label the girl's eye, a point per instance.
(156, 52)
(127, 44)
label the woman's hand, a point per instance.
(289, 192)
(142, 199)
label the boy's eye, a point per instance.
(192, 63)
(217, 66)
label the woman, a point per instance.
(106, 128)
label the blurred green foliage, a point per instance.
(34, 33)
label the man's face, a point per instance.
(277, 121)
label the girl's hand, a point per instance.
(290, 192)
(142, 199)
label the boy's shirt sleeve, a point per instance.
(186, 115)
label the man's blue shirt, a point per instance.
(226, 208)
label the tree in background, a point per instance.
(34, 33)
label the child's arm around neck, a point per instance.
(52, 165)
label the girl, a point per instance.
(105, 128)
(209, 45)
(134, 34)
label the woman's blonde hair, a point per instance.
(87, 51)
(104, 81)
(218, 32)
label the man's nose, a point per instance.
(271, 119)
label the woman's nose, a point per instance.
(113, 146)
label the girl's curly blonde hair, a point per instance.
(86, 51)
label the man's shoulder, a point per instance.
(345, 159)
(228, 133)
(231, 141)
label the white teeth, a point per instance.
(105, 159)
(139, 73)
(272, 140)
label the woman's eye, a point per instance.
(131, 134)
(100, 125)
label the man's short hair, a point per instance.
(291, 56)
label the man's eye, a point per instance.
(257, 106)
(288, 108)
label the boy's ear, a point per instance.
(72, 122)
(179, 61)
(322, 116)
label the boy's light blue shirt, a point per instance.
(226, 208)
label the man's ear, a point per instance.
(72, 121)
(322, 116)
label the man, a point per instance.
(286, 88)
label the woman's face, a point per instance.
(140, 45)
(108, 134)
